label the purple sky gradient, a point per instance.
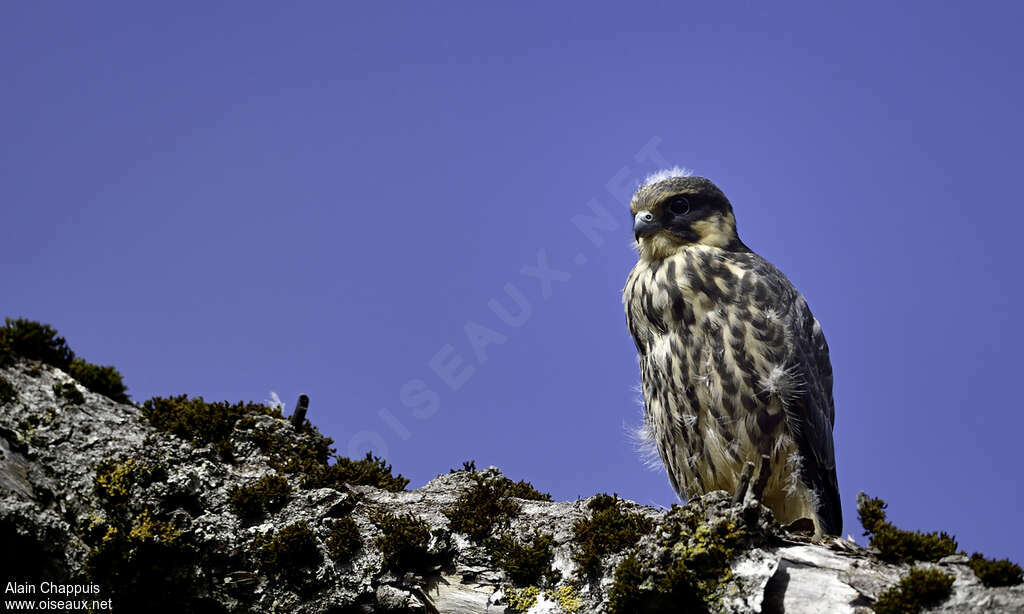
(237, 199)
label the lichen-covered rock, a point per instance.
(250, 517)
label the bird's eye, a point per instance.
(679, 206)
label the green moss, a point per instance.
(69, 392)
(343, 539)
(625, 594)
(489, 503)
(290, 552)
(525, 490)
(703, 564)
(116, 481)
(483, 506)
(699, 549)
(201, 422)
(525, 562)
(142, 560)
(608, 529)
(370, 471)
(35, 341)
(304, 450)
(403, 541)
(145, 565)
(101, 380)
(267, 494)
(41, 342)
(7, 391)
(521, 600)
(918, 589)
(898, 545)
(996, 573)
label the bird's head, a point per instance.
(672, 211)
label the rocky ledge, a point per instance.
(187, 506)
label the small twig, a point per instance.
(299, 414)
(741, 487)
(763, 474)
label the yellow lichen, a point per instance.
(114, 480)
(110, 535)
(148, 528)
(522, 599)
(566, 597)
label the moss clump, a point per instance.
(117, 481)
(7, 391)
(525, 562)
(144, 563)
(919, 589)
(343, 539)
(201, 422)
(609, 529)
(101, 380)
(403, 541)
(700, 547)
(704, 563)
(996, 573)
(897, 545)
(489, 503)
(522, 599)
(525, 490)
(69, 392)
(303, 450)
(267, 494)
(483, 506)
(288, 553)
(370, 471)
(35, 341)
(625, 594)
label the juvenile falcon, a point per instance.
(733, 363)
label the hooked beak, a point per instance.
(645, 225)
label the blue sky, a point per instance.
(234, 199)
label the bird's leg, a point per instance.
(741, 487)
(765, 472)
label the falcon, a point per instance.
(733, 364)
